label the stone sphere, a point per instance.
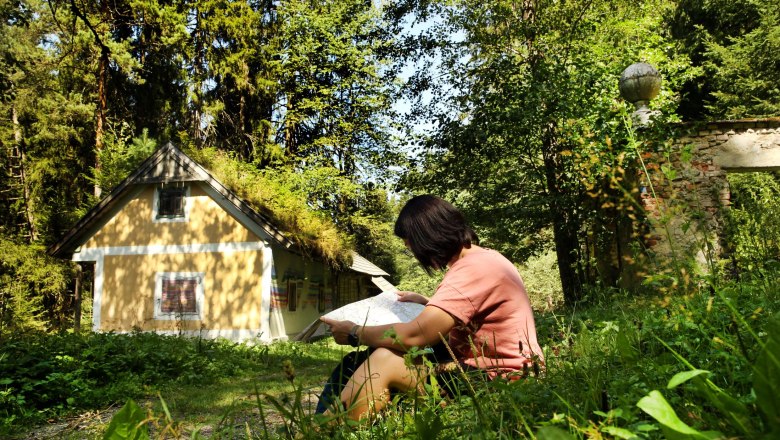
(639, 82)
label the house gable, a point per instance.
(168, 165)
(133, 224)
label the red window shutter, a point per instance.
(179, 296)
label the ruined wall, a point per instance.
(687, 192)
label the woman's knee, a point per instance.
(391, 368)
(385, 356)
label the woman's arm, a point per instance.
(427, 329)
(406, 296)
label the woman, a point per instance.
(480, 308)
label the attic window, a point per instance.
(178, 295)
(171, 203)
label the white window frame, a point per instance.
(199, 294)
(156, 206)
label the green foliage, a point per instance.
(765, 373)
(746, 71)
(119, 158)
(299, 87)
(731, 44)
(534, 117)
(542, 282)
(413, 278)
(625, 367)
(128, 424)
(283, 195)
(33, 288)
(753, 221)
(318, 207)
(658, 408)
(335, 98)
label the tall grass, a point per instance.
(702, 364)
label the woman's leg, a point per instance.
(369, 387)
(339, 377)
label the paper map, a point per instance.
(377, 310)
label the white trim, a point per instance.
(97, 295)
(90, 254)
(159, 315)
(156, 202)
(235, 335)
(265, 291)
(98, 255)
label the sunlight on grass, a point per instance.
(207, 404)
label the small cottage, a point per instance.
(175, 251)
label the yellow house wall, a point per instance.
(232, 280)
(231, 299)
(208, 223)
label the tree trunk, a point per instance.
(102, 79)
(565, 226)
(77, 299)
(197, 68)
(24, 184)
(289, 128)
(100, 122)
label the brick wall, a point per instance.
(687, 191)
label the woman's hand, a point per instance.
(405, 296)
(339, 329)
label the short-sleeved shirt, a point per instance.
(494, 328)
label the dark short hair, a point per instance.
(436, 231)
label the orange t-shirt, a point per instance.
(494, 327)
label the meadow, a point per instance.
(695, 360)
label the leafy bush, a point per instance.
(542, 280)
(753, 222)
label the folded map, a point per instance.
(383, 308)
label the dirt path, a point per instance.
(92, 424)
(86, 425)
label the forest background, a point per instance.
(524, 127)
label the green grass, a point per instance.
(61, 376)
(609, 364)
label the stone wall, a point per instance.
(687, 192)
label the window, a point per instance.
(171, 204)
(322, 299)
(292, 295)
(347, 290)
(178, 295)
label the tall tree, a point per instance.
(534, 97)
(235, 75)
(334, 100)
(46, 128)
(733, 43)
